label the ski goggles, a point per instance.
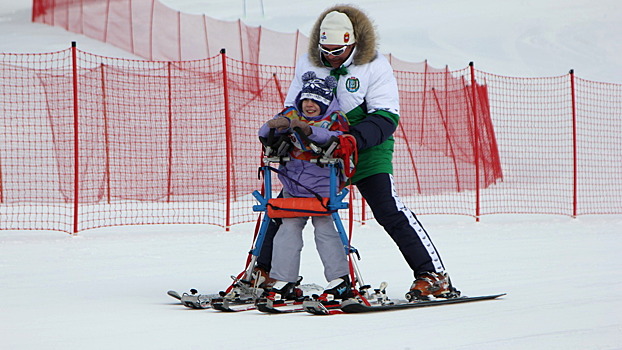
(336, 52)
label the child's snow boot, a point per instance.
(339, 288)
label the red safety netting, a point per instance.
(175, 142)
(149, 29)
(173, 139)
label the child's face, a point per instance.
(310, 108)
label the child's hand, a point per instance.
(306, 129)
(280, 123)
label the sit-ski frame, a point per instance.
(334, 204)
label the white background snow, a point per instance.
(105, 288)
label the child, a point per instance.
(316, 114)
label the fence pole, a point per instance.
(475, 142)
(169, 174)
(574, 146)
(228, 141)
(106, 134)
(76, 142)
(296, 48)
(278, 88)
(151, 29)
(425, 90)
(179, 53)
(131, 15)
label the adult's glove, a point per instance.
(348, 152)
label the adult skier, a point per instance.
(343, 44)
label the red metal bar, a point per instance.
(350, 209)
(228, 141)
(76, 141)
(475, 141)
(363, 211)
(574, 146)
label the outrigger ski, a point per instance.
(354, 306)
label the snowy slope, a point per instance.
(106, 288)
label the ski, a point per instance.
(354, 306)
(193, 300)
(280, 306)
(316, 307)
(174, 294)
(226, 305)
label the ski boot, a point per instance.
(431, 285)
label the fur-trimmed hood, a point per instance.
(364, 31)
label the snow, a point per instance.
(106, 288)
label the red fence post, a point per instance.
(151, 30)
(296, 48)
(278, 88)
(131, 15)
(106, 134)
(179, 53)
(229, 149)
(574, 146)
(169, 174)
(425, 90)
(107, 18)
(76, 142)
(475, 142)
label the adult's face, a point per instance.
(335, 55)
